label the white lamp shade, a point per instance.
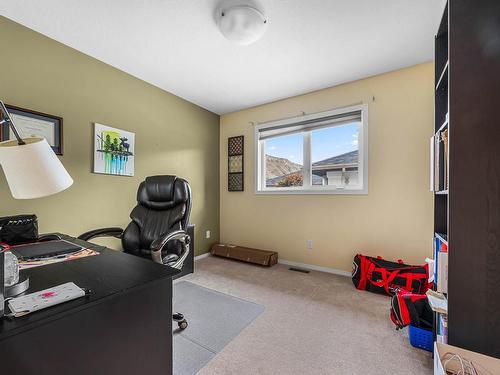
(242, 24)
(33, 170)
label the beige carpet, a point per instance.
(314, 323)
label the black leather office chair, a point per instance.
(159, 225)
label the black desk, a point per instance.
(123, 327)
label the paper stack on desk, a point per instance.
(24, 264)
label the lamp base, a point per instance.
(20, 287)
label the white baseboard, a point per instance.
(314, 267)
(306, 266)
(201, 256)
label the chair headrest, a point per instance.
(162, 192)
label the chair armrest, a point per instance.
(103, 232)
(158, 244)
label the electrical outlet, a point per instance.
(207, 234)
(309, 244)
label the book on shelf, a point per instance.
(439, 304)
(436, 164)
(437, 301)
(443, 328)
(440, 263)
(442, 285)
(440, 168)
(444, 139)
(444, 240)
(430, 263)
(436, 246)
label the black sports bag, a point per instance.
(414, 309)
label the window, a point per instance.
(320, 153)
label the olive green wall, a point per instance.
(173, 136)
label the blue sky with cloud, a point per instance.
(325, 143)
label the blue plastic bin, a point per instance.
(421, 338)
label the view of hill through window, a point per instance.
(334, 157)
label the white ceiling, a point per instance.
(175, 44)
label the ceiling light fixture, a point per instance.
(242, 24)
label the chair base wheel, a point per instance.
(177, 317)
(182, 324)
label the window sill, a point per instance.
(313, 192)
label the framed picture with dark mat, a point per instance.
(33, 124)
(235, 148)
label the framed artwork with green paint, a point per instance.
(113, 151)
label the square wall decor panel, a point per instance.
(235, 164)
(235, 182)
(235, 146)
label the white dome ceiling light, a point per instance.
(242, 24)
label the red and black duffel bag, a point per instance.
(382, 276)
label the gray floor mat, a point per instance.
(214, 320)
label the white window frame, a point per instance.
(260, 173)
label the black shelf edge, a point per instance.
(443, 24)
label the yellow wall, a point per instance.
(394, 220)
(173, 136)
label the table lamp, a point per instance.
(32, 170)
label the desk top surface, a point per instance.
(106, 274)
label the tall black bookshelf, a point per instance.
(466, 178)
